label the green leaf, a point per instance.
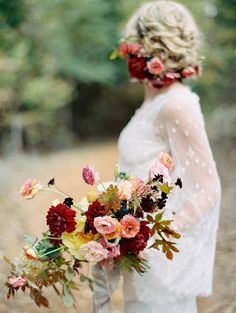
(69, 274)
(7, 260)
(67, 297)
(150, 218)
(166, 188)
(115, 54)
(158, 217)
(28, 239)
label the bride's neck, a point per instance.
(151, 92)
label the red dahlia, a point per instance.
(61, 218)
(94, 210)
(137, 67)
(138, 243)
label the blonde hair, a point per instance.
(168, 30)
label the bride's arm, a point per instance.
(189, 146)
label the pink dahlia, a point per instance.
(129, 226)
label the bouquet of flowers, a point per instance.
(113, 223)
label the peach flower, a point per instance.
(139, 186)
(30, 253)
(166, 159)
(155, 66)
(93, 251)
(30, 188)
(159, 168)
(129, 226)
(125, 189)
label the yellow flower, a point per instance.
(92, 195)
(74, 240)
(80, 223)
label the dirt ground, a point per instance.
(20, 217)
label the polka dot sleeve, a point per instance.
(189, 146)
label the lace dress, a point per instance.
(173, 122)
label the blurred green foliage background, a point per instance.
(58, 86)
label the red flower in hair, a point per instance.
(61, 218)
(137, 67)
(138, 243)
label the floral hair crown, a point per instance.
(147, 67)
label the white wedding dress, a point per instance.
(172, 122)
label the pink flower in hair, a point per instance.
(30, 188)
(129, 226)
(188, 71)
(17, 282)
(129, 48)
(90, 175)
(155, 66)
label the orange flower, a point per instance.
(30, 253)
(129, 226)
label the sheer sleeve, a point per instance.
(188, 143)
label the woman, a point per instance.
(161, 43)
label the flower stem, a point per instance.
(55, 191)
(63, 195)
(51, 251)
(45, 238)
(102, 185)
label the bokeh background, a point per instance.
(63, 104)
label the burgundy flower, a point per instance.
(148, 204)
(94, 210)
(61, 218)
(137, 67)
(138, 243)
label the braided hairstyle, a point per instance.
(166, 29)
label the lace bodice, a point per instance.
(173, 122)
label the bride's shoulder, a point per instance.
(181, 101)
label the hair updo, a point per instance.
(166, 29)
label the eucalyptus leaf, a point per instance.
(67, 297)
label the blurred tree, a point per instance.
(56, 78)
